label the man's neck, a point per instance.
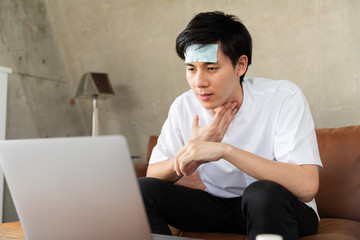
(237, 97)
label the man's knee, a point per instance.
(265, 195)
(152, 189)
(150, 186)
(147, 184)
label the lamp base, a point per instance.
(95, 117)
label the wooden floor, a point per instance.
(12, 230)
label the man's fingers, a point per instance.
(234, 111)
(195, 123)
(220, 113)
(224, 112)
(176, 164)
(218, 126)
(176, 160)
(191, 168)
(227, 117)
(184, 163)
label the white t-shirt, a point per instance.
(274, 122)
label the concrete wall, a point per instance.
(51, 44)
(312, 43)
(39, 91)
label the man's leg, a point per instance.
(270, 208)
(189, 209)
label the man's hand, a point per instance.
(195, 153)
(216, 129)
(201, 148)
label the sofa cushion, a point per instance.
(335, 229)
(214, 236)
(329, 229)
(339, 190)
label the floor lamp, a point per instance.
(95, 86)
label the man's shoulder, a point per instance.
(265, 85)
(185, 98)
(186, 102)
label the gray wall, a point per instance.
(51, 44)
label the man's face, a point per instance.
(215, 84)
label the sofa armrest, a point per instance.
(339, 191)
(140, 169)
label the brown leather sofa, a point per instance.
(338, 199)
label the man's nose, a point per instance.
(201, 80)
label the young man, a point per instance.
(252, 141)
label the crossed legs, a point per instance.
(265, 207)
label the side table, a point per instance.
(11, 230)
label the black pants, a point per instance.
(265, 207)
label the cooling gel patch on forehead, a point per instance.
(201, 53)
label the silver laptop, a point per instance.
(75, 188)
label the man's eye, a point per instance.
(212, 68)
(191, 69)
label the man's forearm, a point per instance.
(301, 180)
(163, 170)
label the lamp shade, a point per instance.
(94, 84)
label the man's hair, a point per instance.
(212, 27)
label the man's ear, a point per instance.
(241, 65)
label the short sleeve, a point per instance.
(170, 140)
(295, 138)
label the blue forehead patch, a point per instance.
(201, 53)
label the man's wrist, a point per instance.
(226, 150)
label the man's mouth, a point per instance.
(205, 96)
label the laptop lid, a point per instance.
(74, 188)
